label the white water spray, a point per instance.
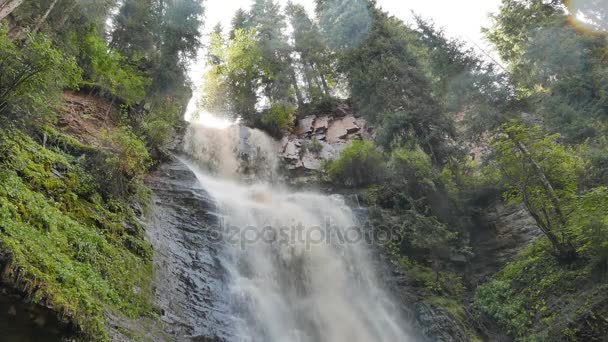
(289, 281)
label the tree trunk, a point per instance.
(8, 6)
(322, 85)
(324, 82)
(46, 15)
(544, 181)
(294, 79)
(566, 250)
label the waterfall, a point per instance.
(297, 266)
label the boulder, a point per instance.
(311, 161)
(320, 125)
(305, 125)
(350, 124)
(340, 129)
(291, 151)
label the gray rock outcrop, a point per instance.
(319, 138)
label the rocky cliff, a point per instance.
(321, 137)
(188, 283)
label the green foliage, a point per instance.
(411, 164)
(67, 15)
(125, 162)
(589, 223)
(541, 174)
(33, 76)
(359, 164)
(109, 70)
(278, 119)
(559, 71)
(277, 77)
(136, 26)
(69, 248)
(315, 146)
(230, 83)
(316, 61)
(433, 283)
(560, 164)
(535, 297)
(159, 129)
(345, 24)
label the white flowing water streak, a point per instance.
(287, 281)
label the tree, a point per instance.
(179, 25)
(232, 81)
(543, 175)
(64, 17)
(465, 82)
(345, 24)
(136, 29)
(315, 59)
(240, 21)
(278, 79)
(559, 71)
(217, 97)
(359, 164)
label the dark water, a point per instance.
(23, 322)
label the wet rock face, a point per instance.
(437, 325)
(189, 282)
(430, 323)
(23, 322)
(500, 232)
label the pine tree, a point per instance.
(315, 59)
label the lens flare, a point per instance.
(590, 16)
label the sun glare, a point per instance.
(209, 120)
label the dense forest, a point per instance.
(453, 128)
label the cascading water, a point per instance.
(296, 269)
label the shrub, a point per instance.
(278, 119)
(412, 164)
(158, 128)
(359, 164)
(121, 167)
(33, 74)
(589, 224)
(315, 146)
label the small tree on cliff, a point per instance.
(542, 175)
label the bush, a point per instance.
(278, 119)
(33, 74)
(589, 224)
(158, 128)
(121, 167)
(411, 164)
(359, 164)
(315, 146)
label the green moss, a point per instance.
(433, 283)
(70, 248)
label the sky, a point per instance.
(461, 19)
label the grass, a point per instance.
(70, 249)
